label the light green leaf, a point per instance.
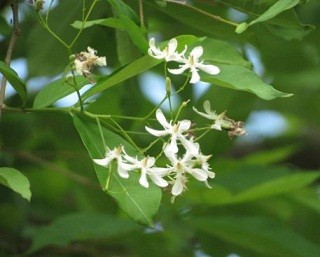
(274, 187)
(139, 202)
(79, 227)
(277, 15)
(16, 181)
(135, 33)
(261, 235)
(275, 9)
(239, 78)
(109, 22)
(17, 83)
(218, 51)
(56, 90)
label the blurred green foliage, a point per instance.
(264, 200)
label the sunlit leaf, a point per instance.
(108, 22)
(58, 89)
(139, 202)
(16, 181)
(239, 78)
(17, 83)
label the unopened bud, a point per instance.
(39, 5)
(168, 85)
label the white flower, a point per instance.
(180, 167)
(115, 154)
(85, 61)
(194, 64)
(211, 115)
(169, 53)
(146, 167)
(176, 131)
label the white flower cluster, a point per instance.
(191, 62)
(85, 61)
(180, 166)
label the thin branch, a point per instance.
(141, 13)
(14, 36)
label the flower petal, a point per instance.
(157, 133)
(198, 174)
(159, 181)
(162, 119)
(177, 187)
(172, 46)
(184, 125)
(208, 68)
(197, 52)
(189, 145)
(179, 70)
(195, 77)
(103, 162)
(143, 179)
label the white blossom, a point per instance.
(115, 154)
(180, 167)
(193, 63)
(85, 61)
(211, 115)
(146, 167)
(169, 53)
(176, 131)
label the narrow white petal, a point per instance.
(179, 70)
(162, 119)
(170, 155)
(172, 46)
(157, 133)
(172, 147)
(159, 181)
(195, 77)
(197, 52)
(143, 179)
(103, 162)
(211, 174)
(122, 172)
(184, 125)
(208, 68)
(152, 42)
(207, 108)
(157, 171)
(208, 116)
(189, 145)
(177, 187)
(198, 174)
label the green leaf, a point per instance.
(275, 9)
(109, 22)
(134, 68)
(139, 202)
(261, 235)
(121, 8)
(16, 181)
(218, 51)
(277, 15)
(135, 33)
(79, 227)
(17, 83)
(275, 187)
(239, 78)
(56, 90)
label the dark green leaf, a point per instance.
(261, 235)
(57, 89)
(16, 181)
(17, 83)
(239, 78)
(139, 202)
(121, 8)
(79, 227)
